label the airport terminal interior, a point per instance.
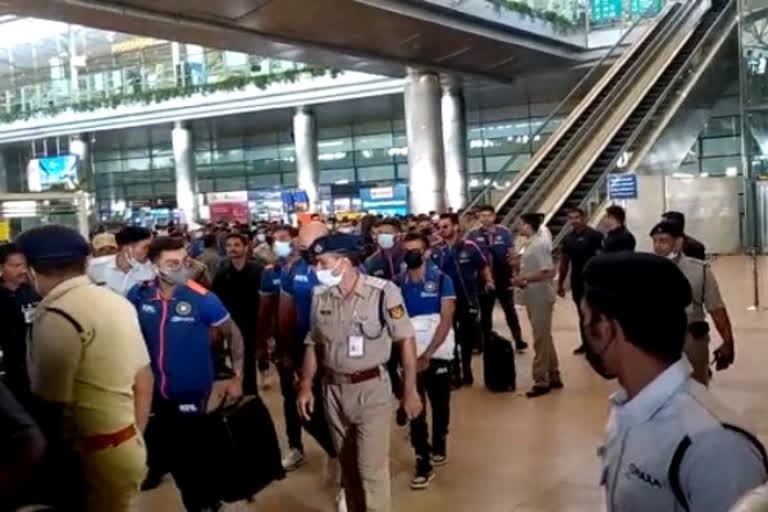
(213, 115)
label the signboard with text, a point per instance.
(392, 200)
(606, 10)
(622, 186)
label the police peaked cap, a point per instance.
(644, 282)
(52, 242)
(668, 227)
(341, 243)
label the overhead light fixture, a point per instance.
(731, 172)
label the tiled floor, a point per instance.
(510, 454)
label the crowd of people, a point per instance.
(118, 348)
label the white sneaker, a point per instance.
(341, 501)
(294, 460)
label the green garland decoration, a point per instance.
(561, 22)
(149, 97)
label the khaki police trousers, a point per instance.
(546, 367)
(113, 476)
(360, 419)
(697, 351)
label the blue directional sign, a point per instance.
(606, 10)
(622, 186)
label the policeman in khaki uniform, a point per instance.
(89, 371)
(668, 241)
(354, 320)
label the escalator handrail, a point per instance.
(565, 101)
(594, 121)
(671, 87)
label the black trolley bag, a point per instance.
(244, 453)
(499, 364)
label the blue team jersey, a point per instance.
(177, 334)
(425, 297)
(495, 242)
(465, 257)
(271, 279)
(385, 264)
(297, 281)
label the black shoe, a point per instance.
(556, 384)
(580, 350)
(520, 346)
(536, 391)
(423, 476)
(469, 381)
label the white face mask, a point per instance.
(673, 255)
(282, 249)
(261, 237)
(346, 229)
(386, 240)
(327, 277)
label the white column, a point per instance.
(186, 177)
(305, 144)
(454, 142)
(423, 126)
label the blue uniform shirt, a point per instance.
(177, 334)
(271, 278)
(426, 297)
(495, 242)
(464, 256)
(385, 264)
(298, 280)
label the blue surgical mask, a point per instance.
(282, 248)
(386, 240)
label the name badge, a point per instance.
(356, 346)
(28, 311)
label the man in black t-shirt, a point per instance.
(578, 247)
(17, 302)
(618, 238)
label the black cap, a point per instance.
(341, 243)
(641, 281)
(51, 243)
(667, 227)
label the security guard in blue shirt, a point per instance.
(298, 279)
(176, 317)
(463, 261)
(496, 243)
(387, 261)
(430, 301)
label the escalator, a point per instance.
(583, 113)
(657, 103)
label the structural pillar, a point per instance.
(307, 165)
(186, 176)
(454, 142)
(424, 128)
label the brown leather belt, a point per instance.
(353, 378)
(100, 442)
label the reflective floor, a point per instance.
(511, 454)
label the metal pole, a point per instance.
(755, 280)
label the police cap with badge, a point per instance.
(338, 243)
(638, 289)
(52, 244)
(667, 227)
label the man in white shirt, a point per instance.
(668, 446)
(129, 267)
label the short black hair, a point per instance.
(390, 221)
(164, 243)
(578, 210)
(413, 236)
(209, 241)
(60, 267)
(486, 208)
(453, 217)
(674, 216)
(8, 250)
(617, 212)
(532, 219)
(240, 236)
(292, 231)
(131, 235)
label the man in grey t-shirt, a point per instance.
(535, 281)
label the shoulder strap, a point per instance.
(673, 475)
(69, 318)
(382, 305)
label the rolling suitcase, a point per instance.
(499, 364)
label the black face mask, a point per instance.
(596, 361)
(413, 259)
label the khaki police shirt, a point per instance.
(340, 325)
(535, 257)
(706, 292)
(93, 371)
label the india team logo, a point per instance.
(430, 287)
(183, 308)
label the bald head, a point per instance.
(311, 232)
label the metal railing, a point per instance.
(559, 110)
(597, 195)
(546, 179)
